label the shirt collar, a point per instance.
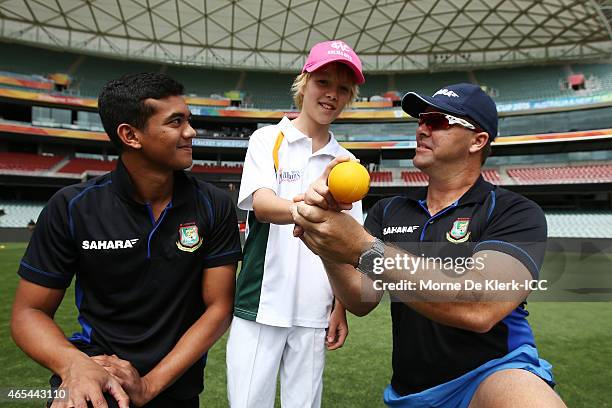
(332, 148)
(290, 132)
(124, 186)
(476, 194)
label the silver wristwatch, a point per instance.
(367, 257)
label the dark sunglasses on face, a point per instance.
(443, 121)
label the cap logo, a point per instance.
(446, 92)
(341, 49)
(339, 45)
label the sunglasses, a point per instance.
(443, 121)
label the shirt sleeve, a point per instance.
(373, 222)
(517, 227)
(223, 246)
(357, 212)
(50, 257)
(258, 171)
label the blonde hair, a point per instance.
(300, 81)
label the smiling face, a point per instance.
(165, 140)
(327, 92)
(442, 147)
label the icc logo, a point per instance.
(339, 45)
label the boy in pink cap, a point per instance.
(284, 313)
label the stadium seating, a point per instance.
(224, 169)
(80, 165)
(595, 173)
(205, 82)
(491, 175)
(381, 177)
(428, 83)
(19, 81)
(415, 178)
(17, 214)
(27, 60)
(269, 89)
(565, 224)
(27, 161)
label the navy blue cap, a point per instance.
(466, 100)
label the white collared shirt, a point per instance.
(290, 287)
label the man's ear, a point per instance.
(479, 141)
(129, 136)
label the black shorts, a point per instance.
(161, 401)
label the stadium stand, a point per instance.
(374, 85)
(269, 89)
(27, 161)
(509, 175)
(27, 60)
(205, 82)
(428, 83)
(381, 177)
(223, 169)
(92, 73)
(579, 224)
(592, 173)
(492, 176)
(19, 81)
(516, 84)
(17, 214)
(80, 165)
(414, 178)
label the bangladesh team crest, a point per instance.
(459, 232)
(189, 237)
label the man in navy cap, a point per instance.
(458, 257)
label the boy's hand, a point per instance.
(338, 328)
(318, 192)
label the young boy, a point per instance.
(283, 297)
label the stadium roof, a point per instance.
(275, 35)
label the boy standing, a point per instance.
(284, 301)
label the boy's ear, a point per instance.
(129, 136)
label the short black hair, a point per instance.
(123, 100)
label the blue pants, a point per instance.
(459, 392)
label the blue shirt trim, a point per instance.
(422, 203)
(521, 250)
(52, 274)
(209, 208)
(157, 224)
(78, 196)
(85, 334)
(492, 205)
(236, 251)
(519, 330)
(388, 204)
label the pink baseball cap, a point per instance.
(326, 52)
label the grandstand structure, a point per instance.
(553, 88)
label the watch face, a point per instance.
(367, 259)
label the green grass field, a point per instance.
(575, 337)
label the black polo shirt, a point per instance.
(138, 281)
(426, 353)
